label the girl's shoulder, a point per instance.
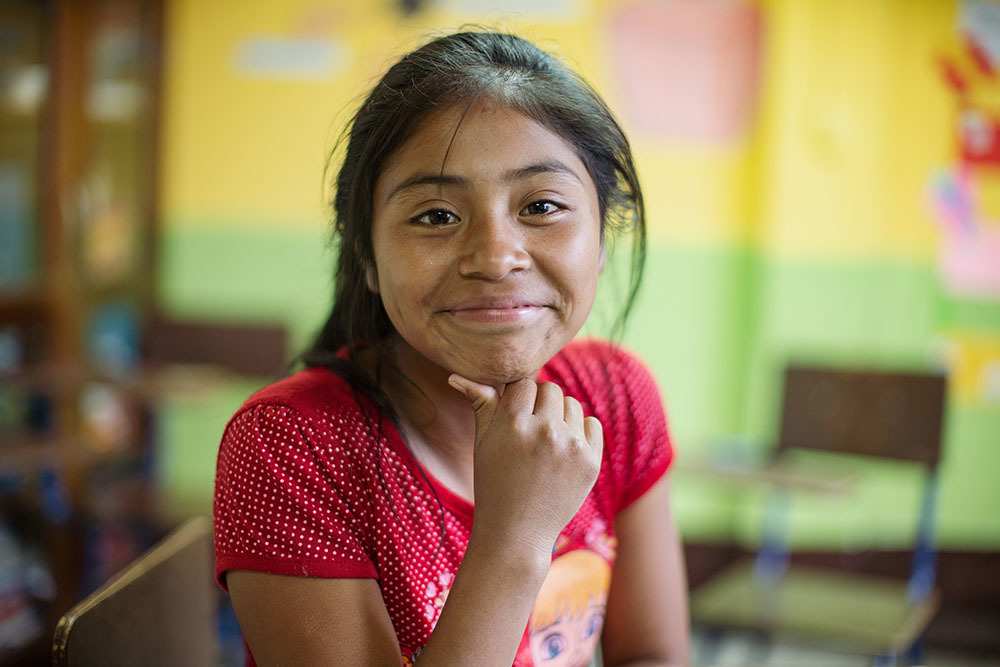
(307, 390)
(315, 397)
(599, 371)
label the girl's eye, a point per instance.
(435, 218)
(593, 625)
(553, 645)
(541, 207)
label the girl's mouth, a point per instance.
(489, 315)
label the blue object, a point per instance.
(772, 557)
(11, 349)
(10, 482)
(925, 556)
(39, 413)
(230, 636)
(55, 499)
(18, 259)
(112, 338)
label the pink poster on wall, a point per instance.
(686, 69)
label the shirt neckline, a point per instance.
(459, 506)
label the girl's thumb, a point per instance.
(480, 395)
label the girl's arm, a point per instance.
(289, 620)
(647, 615)
(301, 621)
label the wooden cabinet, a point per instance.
(79, 100)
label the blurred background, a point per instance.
(823, 189)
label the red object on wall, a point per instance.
(979, 138)
(980, 55)
(952, 76)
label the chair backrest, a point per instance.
(159, 611)
(243, 348)
(875, 413)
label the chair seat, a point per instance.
(870, 614)
(159, 611)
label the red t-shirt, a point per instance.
(307, 486)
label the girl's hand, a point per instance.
(536, 459)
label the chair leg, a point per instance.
(710, 646)
(915, 655)
(761, 646)
(884, 660)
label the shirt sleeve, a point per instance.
(284, 505)
(642, 450)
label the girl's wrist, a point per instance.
(517, 555)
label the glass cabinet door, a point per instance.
(23, 87)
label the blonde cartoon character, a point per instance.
(569, 611)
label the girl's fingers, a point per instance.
(549, 402)
(573, 413)
(595, 433)
(519, 397)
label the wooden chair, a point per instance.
(159, 611)
(874, 414)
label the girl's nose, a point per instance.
(493, 247)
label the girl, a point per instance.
(480, 185)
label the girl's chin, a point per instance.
(498, 377)
(497, 361)
(498, 370)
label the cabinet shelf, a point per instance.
(20, 302)
(169, 381)
(31, 455)
(58, 326)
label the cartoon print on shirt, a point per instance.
(436, 595)
(569, 611)
(597, 539)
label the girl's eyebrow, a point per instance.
(549, 167)
(421, 179)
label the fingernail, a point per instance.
(454, 383)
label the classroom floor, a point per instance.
(738, 649)
(735, 649)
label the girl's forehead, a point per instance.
(457, 138)
(435, 128)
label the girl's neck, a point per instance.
(435, 417)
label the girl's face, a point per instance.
(487, 242)
(570, 640)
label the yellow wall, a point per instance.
(842, 102)
(856, 120)
(252, 150)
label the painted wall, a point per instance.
(786, 223)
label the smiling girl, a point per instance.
(413, 489)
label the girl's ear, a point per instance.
(371, 279)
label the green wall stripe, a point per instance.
(715, 324)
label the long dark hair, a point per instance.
(451, 70)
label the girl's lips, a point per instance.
(497, 315)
